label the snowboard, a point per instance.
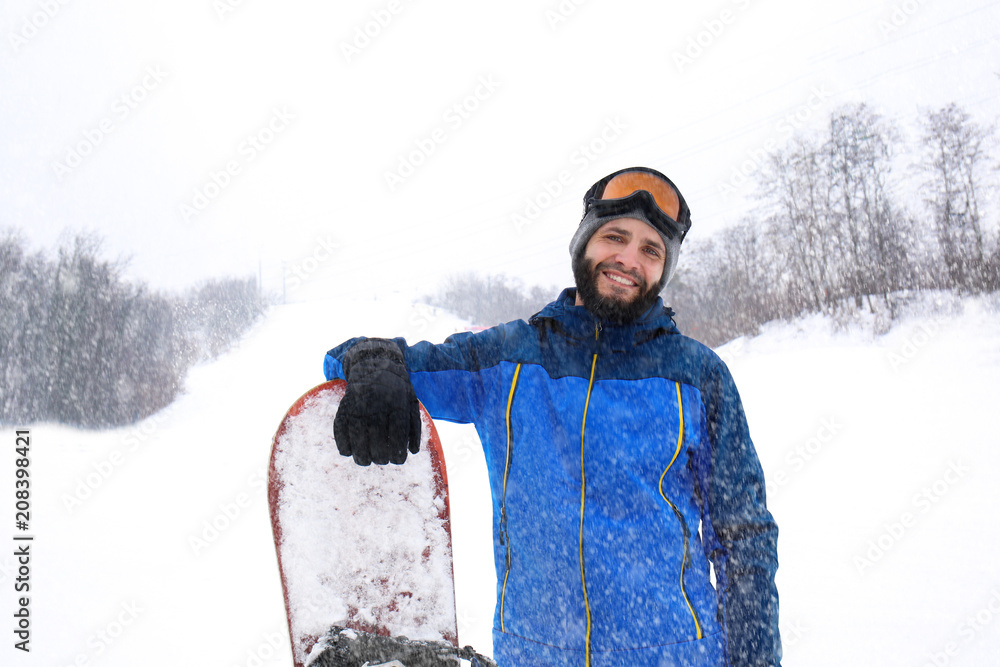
(366, 548)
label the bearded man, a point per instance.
(622, 471)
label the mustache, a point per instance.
(620, 268)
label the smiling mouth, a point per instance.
(620, 280)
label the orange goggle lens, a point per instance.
(625, 184)
(640, 194)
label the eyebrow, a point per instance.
(655, 242)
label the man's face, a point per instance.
(620, 269)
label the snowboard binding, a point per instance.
(346, 647)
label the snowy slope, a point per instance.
(152, 543)
(880, 455)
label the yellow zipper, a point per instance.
(504, 537)
(677, 513)
(583, 498)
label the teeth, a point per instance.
(619, 279)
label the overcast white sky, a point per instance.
(114, 113)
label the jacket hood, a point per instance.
(577, 322)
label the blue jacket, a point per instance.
(620, 465)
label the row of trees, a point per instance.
(832, 232)
(489, 300)
(81, 345)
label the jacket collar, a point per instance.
(577, 322)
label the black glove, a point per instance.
(379, 416)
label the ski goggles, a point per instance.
(641, 193)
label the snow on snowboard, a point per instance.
(364, 552)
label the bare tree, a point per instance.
(955, 151)
(797, 212)
(860, 149)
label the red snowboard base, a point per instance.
(367, 548)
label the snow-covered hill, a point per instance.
(152, 543)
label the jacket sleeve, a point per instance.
(449, 378)
(740, 533)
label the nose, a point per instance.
(629, 256)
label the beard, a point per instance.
(610, 308)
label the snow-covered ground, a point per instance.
(152, 543)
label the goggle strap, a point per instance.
(596, 191)
(640, 200)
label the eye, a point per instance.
(653, 252)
